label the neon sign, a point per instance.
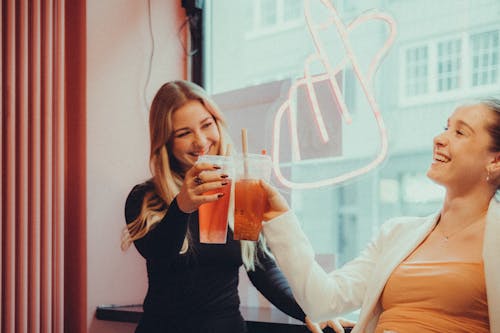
(309, 80)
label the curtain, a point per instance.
(43, 263)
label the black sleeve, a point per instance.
(165, 239)
(273, 285)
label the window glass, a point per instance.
(268, 13)
(292, 10)
(449, 60)
(307, 89)
(417, 63)
(484, 50)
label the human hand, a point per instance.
(276, 203)
(313, 327)
(201, 178)
(337, 324)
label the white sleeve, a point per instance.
(321, 295)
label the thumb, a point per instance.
(313, 327)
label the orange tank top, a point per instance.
(435, 297)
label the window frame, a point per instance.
(258, 30)
(433, 95)
(482, 53)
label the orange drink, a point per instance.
(213, 216)
(250, 198)
(249, 204)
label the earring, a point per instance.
(488, 175)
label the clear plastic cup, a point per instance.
(213, 216)
(250, 197)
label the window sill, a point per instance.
(267, 320)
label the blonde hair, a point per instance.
(167, 175)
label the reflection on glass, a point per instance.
(445, 53)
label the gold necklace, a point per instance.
(447, 237)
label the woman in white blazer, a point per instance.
(433, 274)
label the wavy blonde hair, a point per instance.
(167, 176)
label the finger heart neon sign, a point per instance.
(309, 80)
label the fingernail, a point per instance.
(220, 195)
(225, 183)
(224, 176)
(216, 167)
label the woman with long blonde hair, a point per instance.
(192, 286)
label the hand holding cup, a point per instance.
(213, 215)
(276, 203)
(203, 183)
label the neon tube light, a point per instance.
(365, 81)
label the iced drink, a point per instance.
(250, 201)
(213, 216)
(250, 198)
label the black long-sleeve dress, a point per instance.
(198, 291)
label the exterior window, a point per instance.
(262, 59)
(292, 10)
(484, 50)
(447, 69)
(268, 13)
(449, 60)
(417, 62)
(272, 14)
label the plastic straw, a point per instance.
(244, 146)
(228, 149)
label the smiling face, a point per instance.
(461, 152)
(195, 133)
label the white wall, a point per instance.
(118, 51)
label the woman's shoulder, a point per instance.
(134, 200)
(142, 188)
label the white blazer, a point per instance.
(359, 283)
